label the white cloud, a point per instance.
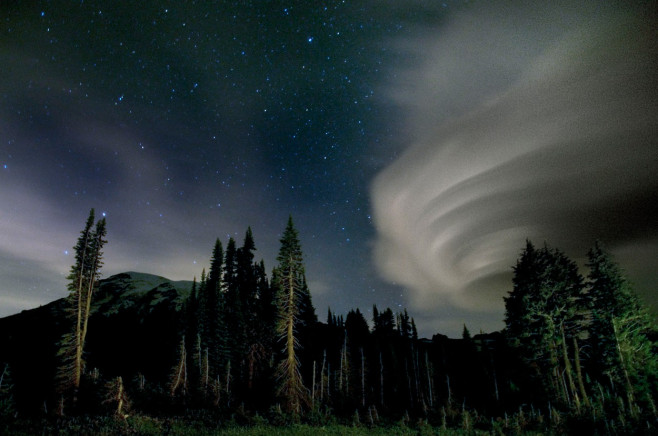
(546, 133)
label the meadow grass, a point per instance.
(147, 426)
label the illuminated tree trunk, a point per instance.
(292, 387)
(579, 373)
(179, 374)
(83, 278)
(293, 300)
(96, 246)
(568, 370)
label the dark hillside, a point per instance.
(133, 330)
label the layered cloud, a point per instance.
(537, 124)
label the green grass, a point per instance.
(147, 426)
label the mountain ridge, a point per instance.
(134, 329)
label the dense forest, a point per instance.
(577, 353)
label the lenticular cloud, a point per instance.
(545, 131)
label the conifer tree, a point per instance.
(232, 308)
(247, 291)
(265, 309)
(83, 280)
(414, 330)
(246, 274)
(466, 334)
(543, 313)
(356, 328)
(404, 327)
(230, 272)
(290, 288)
(620, 329)
(214, 335)
(384, 322)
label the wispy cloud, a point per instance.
(525, 124)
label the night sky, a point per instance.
(415, 144)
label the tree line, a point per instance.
(575, 349)
(583, 342)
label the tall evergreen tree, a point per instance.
(543, 314)
(290, 286)
(384, 322)
(230, 271)
(83, 280)
(232, 307)
(246, 271)
(265, 308)
(356, 328)
(213, 337)
(466, 334)
(620, 328)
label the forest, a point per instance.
(239, 349)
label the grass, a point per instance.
(147, 426)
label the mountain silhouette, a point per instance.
(133, 330)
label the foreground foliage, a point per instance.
(258, 426)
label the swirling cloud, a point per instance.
(547, 132)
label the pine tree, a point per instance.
(466, 334)
(265, 309)
(384, 322)
(83, 280)
(543, 314)
(247, 292)
(232, 307)
(246, 275)
(290, 287)
(356, 328)
(404, 327)
(620, 329)
(414, 330)
(214, 336)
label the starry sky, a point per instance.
(416, 144)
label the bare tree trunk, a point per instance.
(90, 289)
(567, 369)
(449, 390)
(179, 377)
(496, 385)
(228, 377)
(579, 373)
(629, 386)
(206, 371)
(313, 387)
(120, 397)
(78, 326)
(324, 361)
